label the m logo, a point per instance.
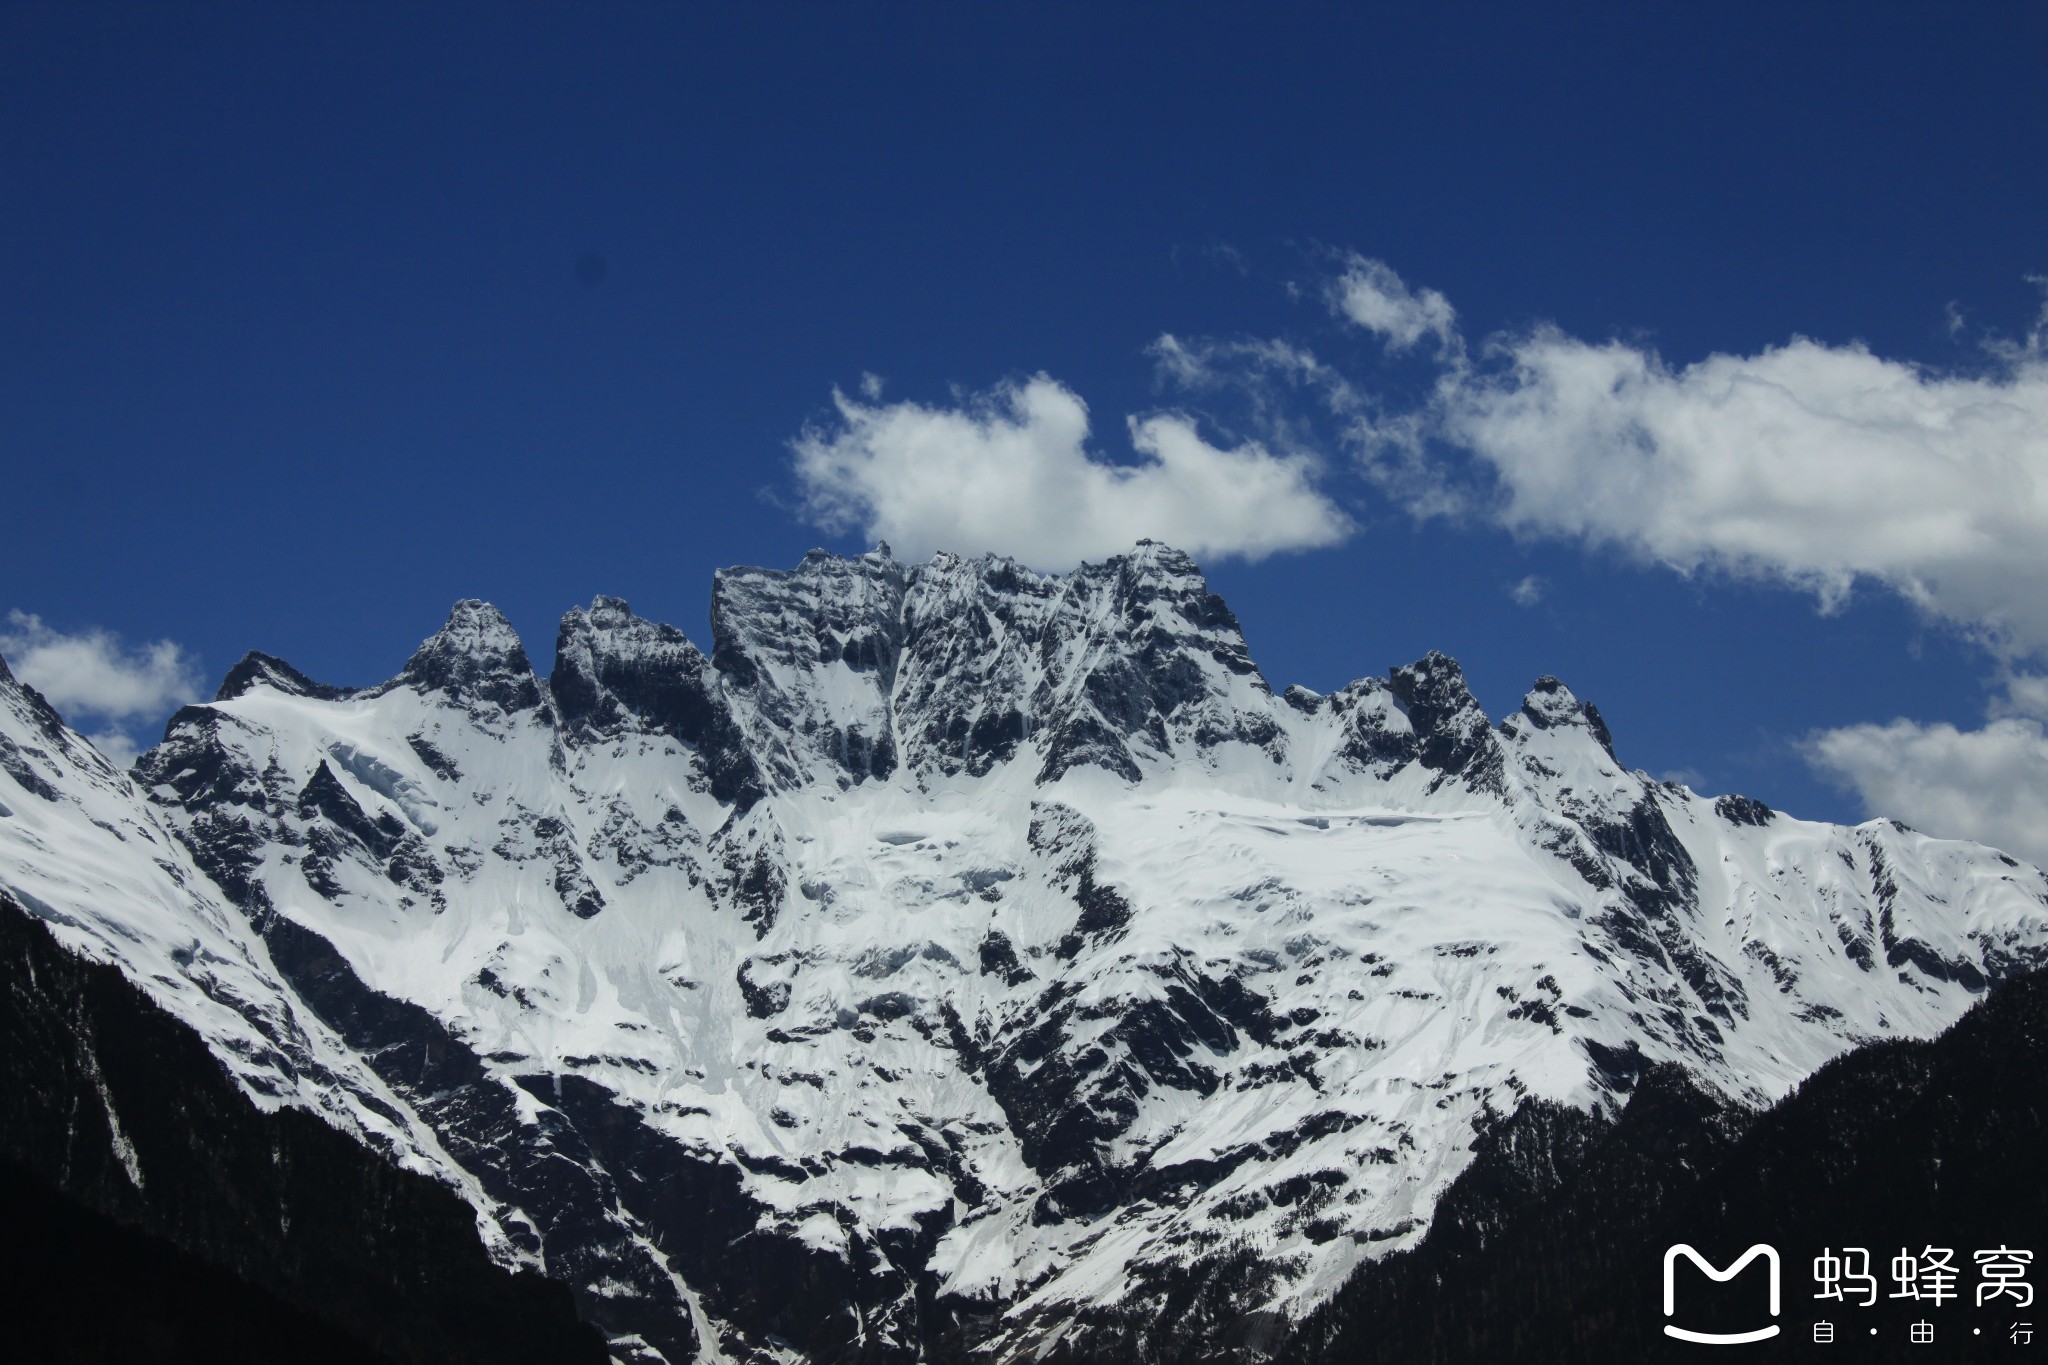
(1671, 1256)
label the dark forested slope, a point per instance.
(1550, 1246)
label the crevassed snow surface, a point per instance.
(972, 924)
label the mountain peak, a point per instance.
(1152, 561)
(257, 669)
(33, 705)
(1454, 736)
(1162, 594)
(1149, 550)
(1550, 704)
(475, 655)
(477, 627)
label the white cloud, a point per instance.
(1010, 471)
(118, 746)
(1990, 785)
(1373, 296)
(92, 675)
(1815, 465)
(1820, 466)
(2025, 695)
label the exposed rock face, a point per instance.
(1453, 737)
(958, 952)
(843, 669)
(616, 674)
(808, 659)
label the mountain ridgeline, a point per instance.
(964, 962)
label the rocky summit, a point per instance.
(957, 958)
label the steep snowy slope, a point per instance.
(82, 850)
(957, 951)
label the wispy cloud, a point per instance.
(1528, 592)
(94, 679)
(1370, 294)
(2026, 694)
(1011, 471)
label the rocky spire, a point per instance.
(476, 656)
(1452, 732)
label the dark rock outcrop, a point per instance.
(615, 672)
(257, 669)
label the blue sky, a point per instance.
(316, 318)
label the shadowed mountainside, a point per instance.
(204, 1229)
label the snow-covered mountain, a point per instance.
(957, 952)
